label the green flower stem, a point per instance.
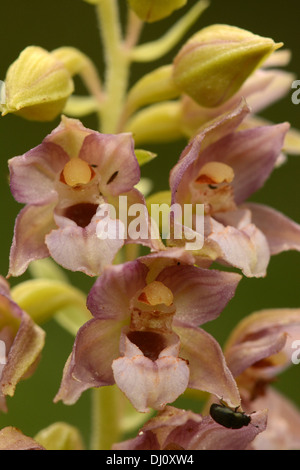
(117, 65)
(108, 404)
(42, 299)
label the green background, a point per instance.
(54, 23)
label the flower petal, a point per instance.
(79, 249)
(199, 294)
(283, 430)
(89, 365)
(115, 160)
(111, 294)
(282, 233)
(208, 369)
(151, 383)
(246, 249)
(32, 176)
(12, 439)
(213, 436)
(31, 226)
(258, 337)
(187, 169)
(23, 345)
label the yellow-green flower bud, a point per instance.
(60, 436)
(155, 10)
(37, 85)
(216, 61)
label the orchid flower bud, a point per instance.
(155, 10)
(212, 66)
(37, 85)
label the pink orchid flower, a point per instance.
(63, 182)
(145, 337)
(259, 348)
(21, 343)
(174, 429)
(221, 168)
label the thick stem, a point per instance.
(108, 406)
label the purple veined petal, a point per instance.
(150, 383)
(69, 135)
(32, 225)
(281, 232)
(246, 249)
(24, 342)
(213, 436)
(89, 365)
(241, 356)
(33, 175)
(186, 170)
(13, 439)
(283, 430)
(115, 161)
(252, 154)
(199, 294)
(208, 369)
(259, 336)
(79, 248)
(174, 429)
(112, 292)
(262, 321)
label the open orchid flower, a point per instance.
(63, 182)
(259, 348)
(21, 342)
(174, 429)
(145, 337)
(220, 168)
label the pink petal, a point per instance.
(79, 249)
(187, 169)
(213, 436)
(208, 369)
(24, 342)
(151, 383)
(33, 175)
(95, 348)
(32, 225)
(251, 153)
(283, 430)
(12, 439)
(246, 248)
(115, 160)
(111, 294)
(282, 233)
(199, 294)
(244, 355)
(258, 337)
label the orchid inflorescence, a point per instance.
(139, 336)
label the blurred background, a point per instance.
(51, 24)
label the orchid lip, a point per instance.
(81, 213)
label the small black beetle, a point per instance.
(228, 417)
